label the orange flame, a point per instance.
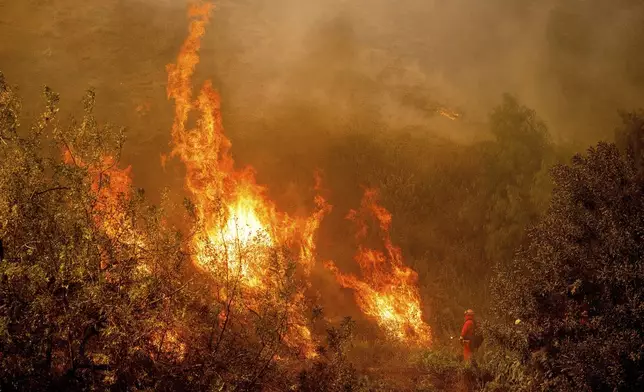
(229, 205)
(311, 226)
(388, 292)
(238, 225)
(111, 187)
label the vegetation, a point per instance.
(458, 210)
(83, 307)
(551, 254)
(577, 287)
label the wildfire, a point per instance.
(388, 292)
(239, 227)
(230, 207)
(240, 232)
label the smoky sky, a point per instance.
(304, 70)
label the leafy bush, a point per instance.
(578, 286)
(100, 293)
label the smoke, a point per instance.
(298, 76)
(339, 65)
(295, 76)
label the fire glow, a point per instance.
(235, 214)
(388, 293)
(239, 227)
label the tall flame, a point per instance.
(388, 291)
(311, 226)
(239, 227)
(238, 224)
(229, 204)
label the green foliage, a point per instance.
(444, 369)
(515, 163)
(332, 371)
(578, 287)
(630, 137)
(75, 308)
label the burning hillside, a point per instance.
(239, 227)
(257, 258)
(276, 265)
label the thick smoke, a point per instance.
(338, 64)
(294, 75)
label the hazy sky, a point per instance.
(335, 65)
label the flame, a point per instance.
(299, 337)
(311, 226)
(229, 205)
(111, 187)
(388, 292)
(238, 226)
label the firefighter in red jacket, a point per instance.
(467, 334)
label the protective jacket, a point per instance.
(467, 335)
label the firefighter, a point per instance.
(468, 333)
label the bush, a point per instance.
(578, 286)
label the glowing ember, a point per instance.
(388, 291)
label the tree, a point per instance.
(504, 197)
(577, 287)
(630, 137)
(97, 289)
(79, 295)
(514, 162)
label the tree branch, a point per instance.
(58, 188)
(172, 293)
